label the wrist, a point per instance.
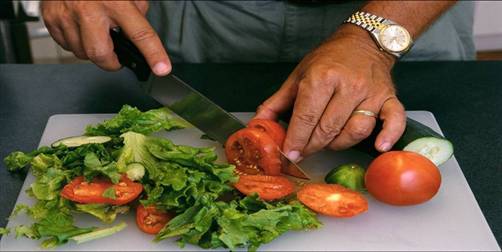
(363, 40)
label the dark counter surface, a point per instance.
(465, 98)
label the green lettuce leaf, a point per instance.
(58, 228)
(99, 233)
(48, 185)
(18, 160)
(4, 231)
(135, 152)
(25, 231)
(94, 167)
(132, 119)
(248, 222)
(104, 212)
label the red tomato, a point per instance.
(332, 200)
(272, 128)
(81, 191)
(402, 178)
(252, 151)
(267, 187)
(151, 220)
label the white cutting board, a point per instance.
(452, 220)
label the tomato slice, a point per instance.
(333, 200)
(272, 128)
(252, 151)
(81, 191)
(151, 220)
(267, 187)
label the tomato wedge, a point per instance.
(272, 128)
(267, 187)
(332, 200)
(81, 191)
(151, 220)
(253, 152)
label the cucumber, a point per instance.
(77, 141)
(417, 138)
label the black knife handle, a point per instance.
(129, 55)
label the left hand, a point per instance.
(346, 73)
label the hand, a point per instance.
(346, 73)
(83, 27)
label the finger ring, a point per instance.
(364, 112)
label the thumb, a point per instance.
(279, 102)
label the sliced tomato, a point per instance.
(81, 191)
(267, 187)
(272, 128)
(333, 200)
(151, 220)
(253, 152)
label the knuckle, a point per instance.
(308, 119)
(80, 54)
(142, 35)
(327, 74)
(321, 77)
(97, 54)
(328, 130)
(359, 132)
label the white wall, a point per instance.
(488, 25)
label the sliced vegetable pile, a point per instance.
(405, 177)
(177, 190)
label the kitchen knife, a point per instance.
(184, 100)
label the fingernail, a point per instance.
(161, 68)
(385, 146)
(294, 156)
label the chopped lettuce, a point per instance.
(183, 174)
(97, 234)
(18, 160)
(106, 213)
(25, 231)
(56, 228)
(135, 152)
(181, 179)
(4, 231)
(59, 226)
(132, 119)
(211, 224)
(47, 187)
(94, 167)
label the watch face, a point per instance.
(395, 38)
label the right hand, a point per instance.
(83, 27)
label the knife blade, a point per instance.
(184, 100)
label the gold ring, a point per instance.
(365, 112)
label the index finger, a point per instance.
(311, 101)
(141, 33)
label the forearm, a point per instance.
(415, 16)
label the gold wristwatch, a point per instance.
(388, 35)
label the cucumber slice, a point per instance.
(77, 141)
(438, 150)
(416, 138)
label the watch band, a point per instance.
(366, 20)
